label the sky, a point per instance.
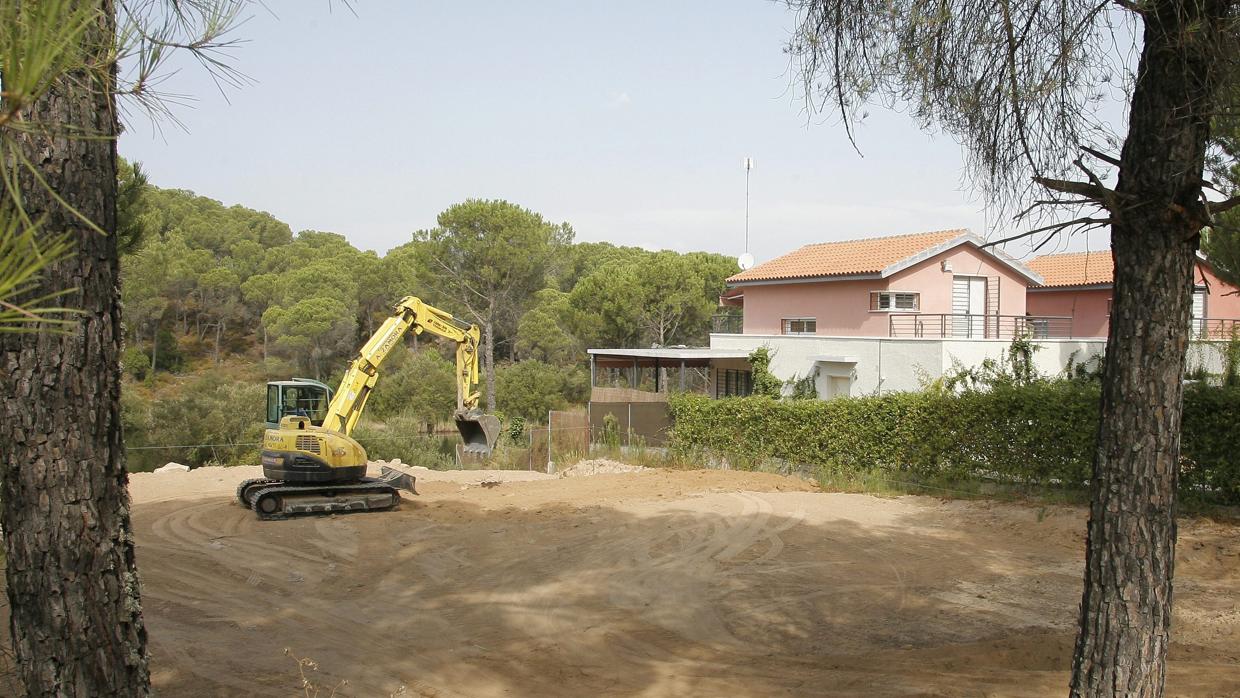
(630, 121)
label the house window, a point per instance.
(802, 325)
(733, 383)
(1199, 323)
(895, 301)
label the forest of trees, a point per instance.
(228, 295)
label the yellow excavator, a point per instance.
(311, 464)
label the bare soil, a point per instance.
(651, 583)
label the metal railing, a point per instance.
(968, 326)
(727, 324)
(1215, 328)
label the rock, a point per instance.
(172, 468)
(600, 466)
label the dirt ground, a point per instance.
(652, 583)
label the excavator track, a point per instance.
(281, 500)
(249, 487)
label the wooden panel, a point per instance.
(625, 395)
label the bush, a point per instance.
(1041, 433)
(399, 437)
(208, 421)
(1210, 442)
(418, 384)
(169, 357)
(135, 363)
(529, 389)
(764, 382)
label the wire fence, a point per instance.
(569, 438)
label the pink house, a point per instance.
(938, 284)
(1079, 285)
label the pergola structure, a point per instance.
(635, 360)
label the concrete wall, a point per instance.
(1051, 357)
(895, 364)
(842, 308)
(880, 364)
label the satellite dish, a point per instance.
(745, 261)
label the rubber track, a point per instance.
(248, 483)
(361, 487)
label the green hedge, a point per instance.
(1039, 433)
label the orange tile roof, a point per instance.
(869, 256)
(1075, 268)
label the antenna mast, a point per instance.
(748, 167)
(745, 261)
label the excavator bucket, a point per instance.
(479, 431)
(398, 477)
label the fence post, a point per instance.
(550, 464)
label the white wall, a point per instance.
(896, 364)
(1050, 358)
(884, 364)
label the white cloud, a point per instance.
(618, 99)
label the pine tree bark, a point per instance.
(1126, 606)
(72, 583)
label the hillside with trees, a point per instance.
(218, 299)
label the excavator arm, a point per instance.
(479, 431)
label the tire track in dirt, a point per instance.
(662, 584)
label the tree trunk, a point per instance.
(219, 328)
(264, 342)
(488, 356)
(155, 349)
(72, 584)
(1126, 606)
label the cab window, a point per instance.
(273, 403)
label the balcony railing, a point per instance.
(1215, 328)
(966, 326)
(727, 324)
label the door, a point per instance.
(968, 306)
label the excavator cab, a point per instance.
(301, 397)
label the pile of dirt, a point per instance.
(600, 466)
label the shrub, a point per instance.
(529, 389)
(135, 363)
(764, 382)
(516, 430)
(1040, 433)
(208, 421)
(421, 384)
(169, 357)
(399, 437)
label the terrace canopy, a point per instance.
(634, 361)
